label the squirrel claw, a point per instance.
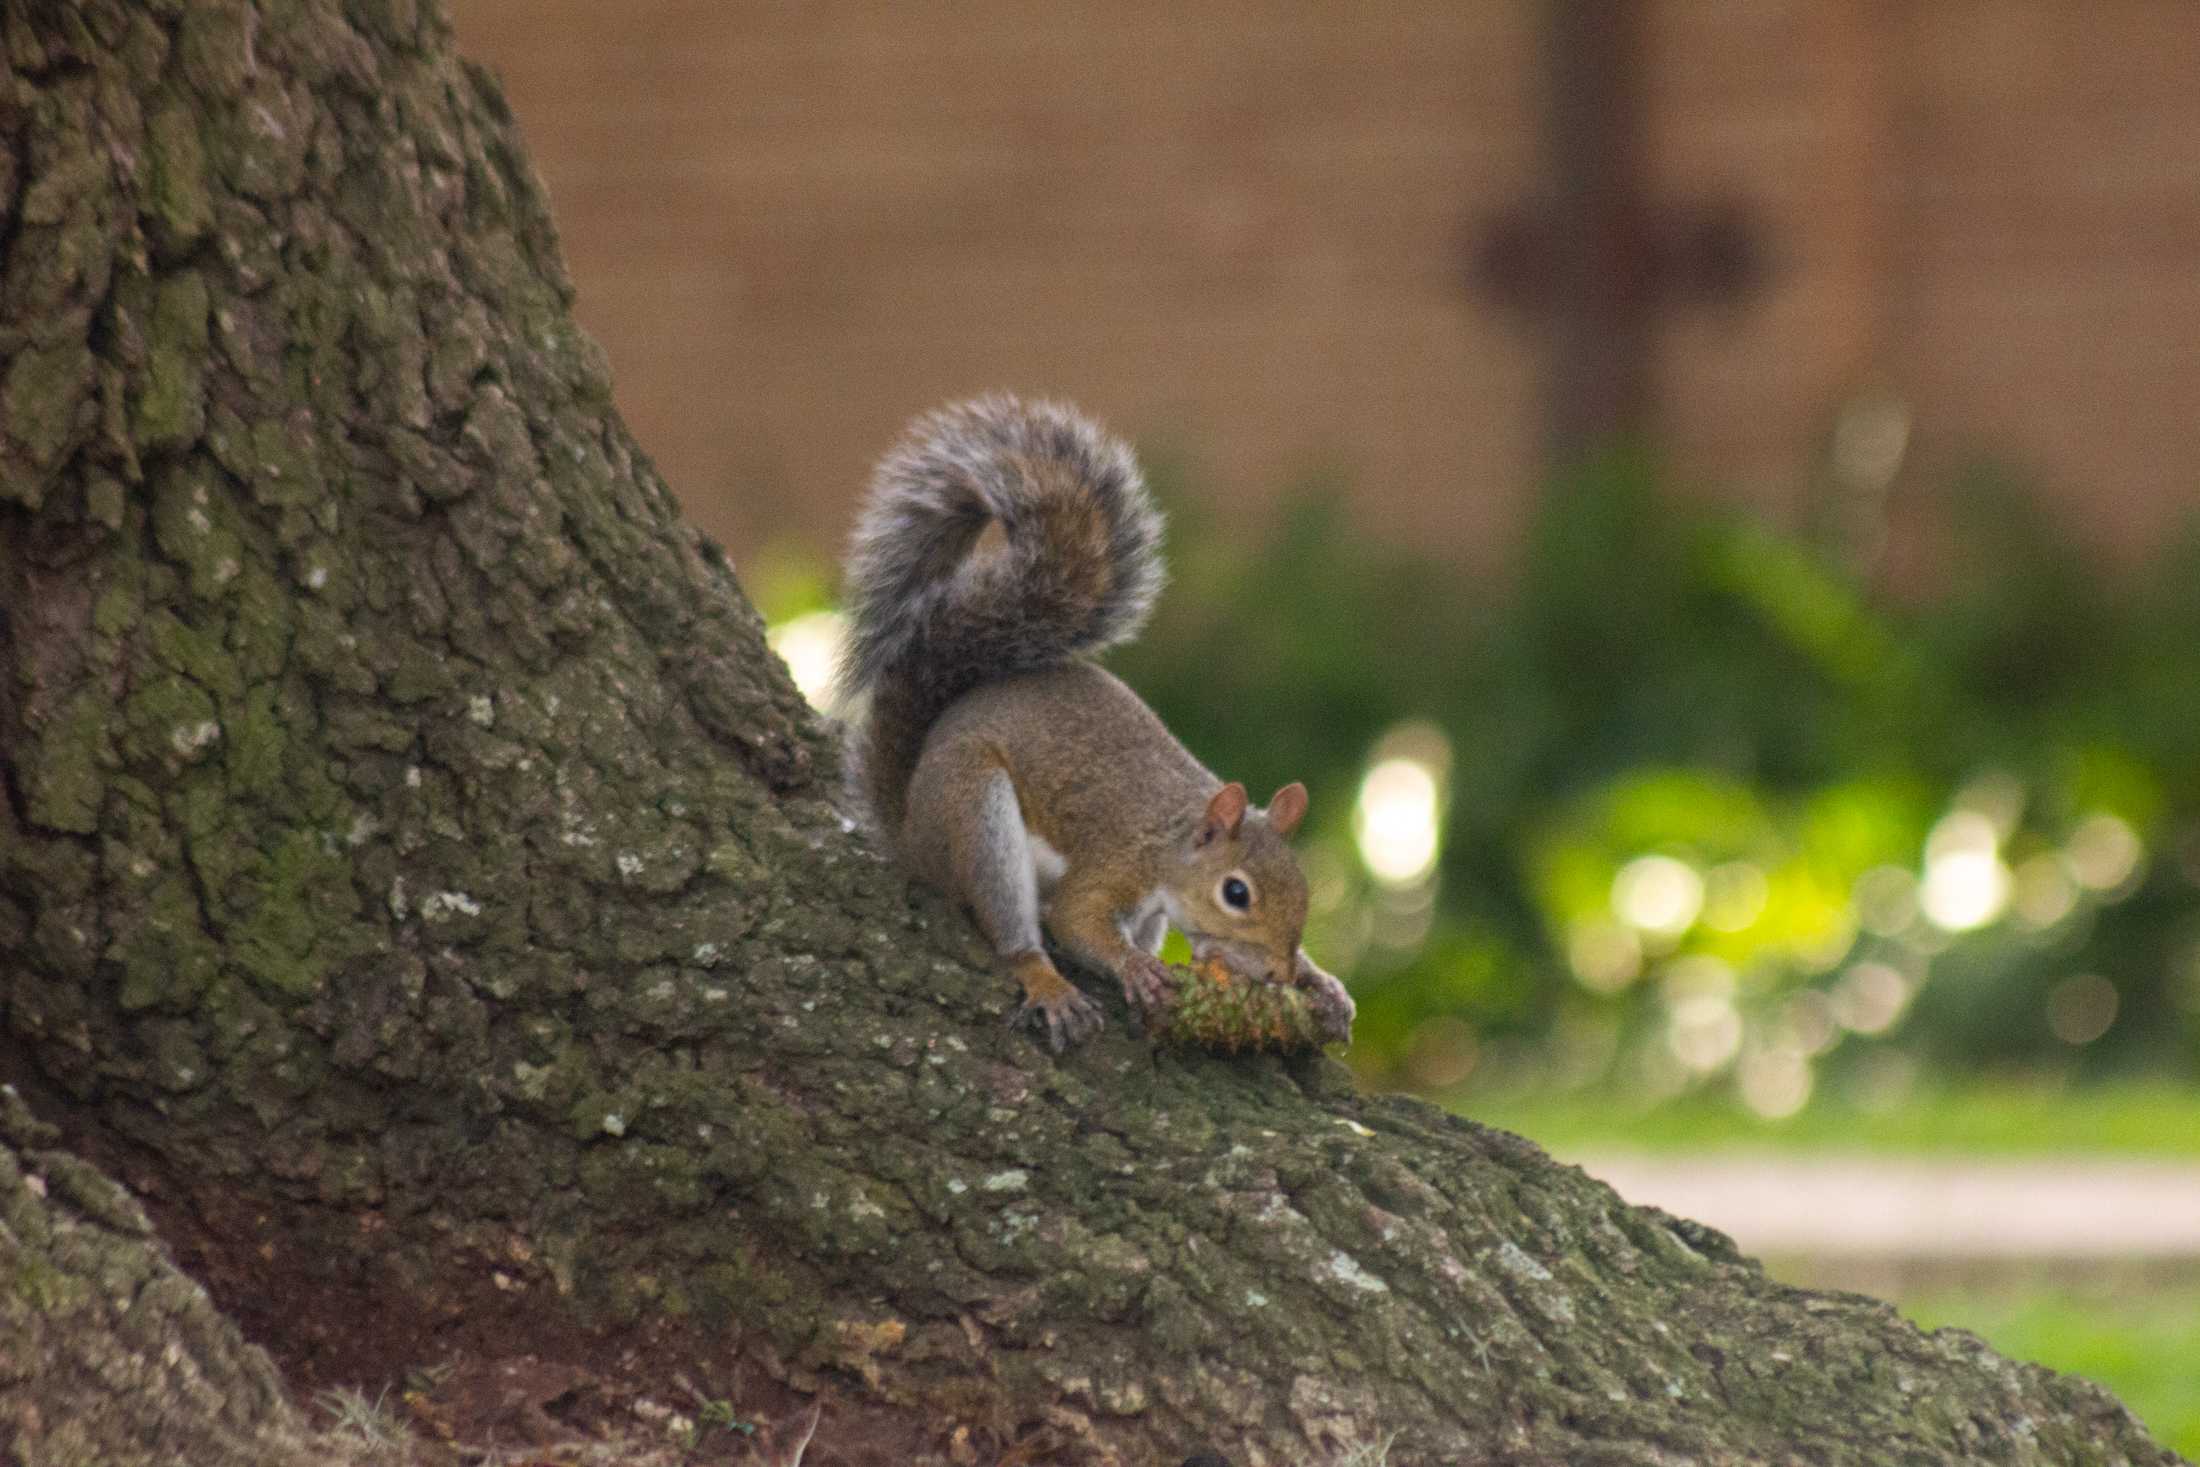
(1332, 1005)
(1147, 983)
(1335, 1009)
(1069, 1019)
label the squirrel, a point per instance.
(1004, 543)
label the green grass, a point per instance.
(2157, 1119)
(2143, 1344)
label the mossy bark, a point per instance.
(418, 881)
(111, 1356)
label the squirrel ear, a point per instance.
(1287, 809)
(1224, 813)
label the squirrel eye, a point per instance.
(1235, 893)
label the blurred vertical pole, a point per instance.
(1602, 282)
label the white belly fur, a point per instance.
(1047, 863)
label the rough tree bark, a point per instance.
(418, 883)
(107, 1353)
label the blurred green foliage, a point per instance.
(1717, 811)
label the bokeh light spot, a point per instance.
(1658, 894)
(1809, 1023)
(1395, 821)
(810, 646)
(1869, 439)
(2104, 852)
(1605, 956)
(1870, 997)
(1995, 796)
(1441, 1053)
(1775, 1083)
(1966, 885)
(2081, 1009)
(1704, 1031)
(1965, 891)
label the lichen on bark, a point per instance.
(418, 878)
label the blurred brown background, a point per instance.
(1389, 241)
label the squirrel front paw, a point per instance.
(1147, 983)
(1332, 1005)
(1052, 1005)
(1064, 1021)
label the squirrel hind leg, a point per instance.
(993, 866)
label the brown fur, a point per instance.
(1001, 544)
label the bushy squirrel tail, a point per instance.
(939, 605)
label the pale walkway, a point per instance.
(1918, 1208)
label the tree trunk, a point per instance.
(90, 1305)
(419, 884)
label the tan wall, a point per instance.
(2043, 229)
(1241, 232)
